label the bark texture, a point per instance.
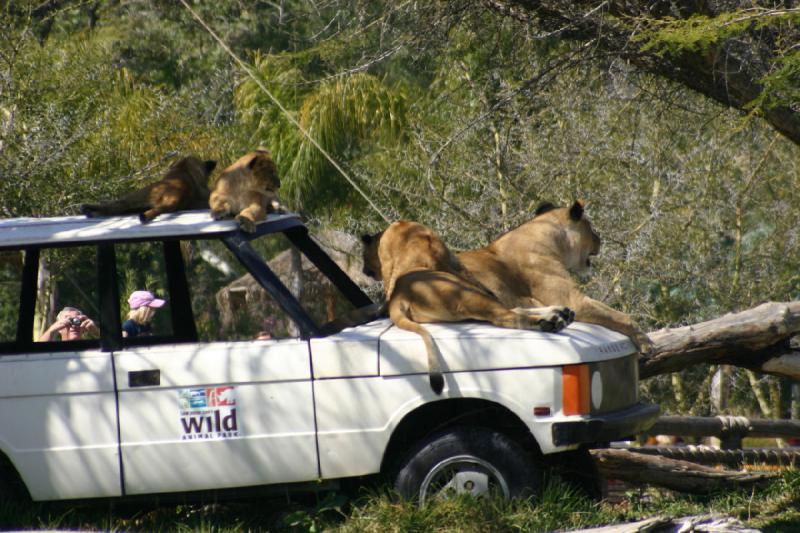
(759, 339)
(674, 474)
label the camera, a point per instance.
(74, 321)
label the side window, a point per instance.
(67, 295)
(229, 304)
(143, 290)
(10, 287)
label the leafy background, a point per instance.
(445, 113)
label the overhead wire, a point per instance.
(244, 66)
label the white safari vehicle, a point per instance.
(109, 416)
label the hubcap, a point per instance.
(462, 474)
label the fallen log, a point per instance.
(723, 426)
(673, 474)
(759, 339)
(663, 524)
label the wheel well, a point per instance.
(11, 485)
(442, 414)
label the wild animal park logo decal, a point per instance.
(208, 413)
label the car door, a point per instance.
(213, 415)
(58, 420)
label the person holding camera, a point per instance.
(70, 325)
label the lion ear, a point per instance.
(576, 211)
(209, 165)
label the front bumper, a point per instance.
(607, 427)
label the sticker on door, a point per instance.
(208, 413)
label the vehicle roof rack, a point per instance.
(26, 232)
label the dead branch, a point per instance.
(758, 339)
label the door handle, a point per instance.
(144, 378)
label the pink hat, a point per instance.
(144, 299)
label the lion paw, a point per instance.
(566, 314)
(219, 214)
(643, 343)
(553, 322)
(246, 224)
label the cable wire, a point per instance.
(283, 110)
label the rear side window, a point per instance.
(67, 288)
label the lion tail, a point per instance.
(114, 207)
(402, 321)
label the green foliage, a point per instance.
(770, 509)
(782, 85)
(343, 114)
(671, 36)
(443, 113)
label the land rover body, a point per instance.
(182, 412)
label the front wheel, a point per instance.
(473, 460)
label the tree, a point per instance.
(740, 53)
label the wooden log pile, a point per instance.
(760, 339)
(673, 474)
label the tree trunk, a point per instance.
(758, 339)
(45, 312)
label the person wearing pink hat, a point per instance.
(143, 306)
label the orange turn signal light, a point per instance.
(575, 389)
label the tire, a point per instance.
(578, 471)
(471, 460)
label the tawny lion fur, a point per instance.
(531, 266)
(246, 190)
(424, 283)
(184, 186)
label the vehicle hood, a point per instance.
(381, 348)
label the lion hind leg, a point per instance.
(220, 203)
(253, 213)
(398, 314)
(164, 203)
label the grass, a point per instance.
(773, 508)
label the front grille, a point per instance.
(620, 383)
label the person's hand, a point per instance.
(61, 323)
(88, 325)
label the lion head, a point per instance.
(372, 262)
(577, 241)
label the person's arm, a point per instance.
(58, 325)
